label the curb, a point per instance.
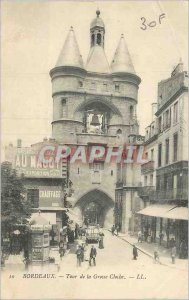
(147, 253)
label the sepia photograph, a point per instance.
(94, 149)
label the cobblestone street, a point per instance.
(131, 279)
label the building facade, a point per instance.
(94, 104)
(167, 219)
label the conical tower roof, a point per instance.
(70, 54)
(97, 61)
(122, 62)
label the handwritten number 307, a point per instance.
(151, 24)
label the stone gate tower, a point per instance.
(94, 104)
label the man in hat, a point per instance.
(93, 254)
(135, 252)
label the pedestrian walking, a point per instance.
(61, 249)
(79, 256)
(135, 252)
(93, 254)
(101, 241)
(183, 253)
(140, 237)
(76, 231)
(145, 234)
(117, 230)
(82, 252)
(173, 254)
(172, 242)
(113, 229)
(27, 263)
(156, 256)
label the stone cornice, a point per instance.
(66, 120)
(132, 78)
(94, 94)
(150, 140)
(171, 100)
(67, 70)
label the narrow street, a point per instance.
(116, 276)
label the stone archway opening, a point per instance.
(96, 207)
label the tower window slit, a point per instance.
(99, 39)
(131, 112)
(64, 108)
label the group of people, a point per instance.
(115, 230)
(81, 256)
(82, 253)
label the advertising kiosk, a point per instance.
(40, 241)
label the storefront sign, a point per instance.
(37, 254)
(50, 196)
(26, 162)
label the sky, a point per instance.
(33, 33)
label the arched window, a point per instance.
(119, 133)
(99, 38)
(92, 39)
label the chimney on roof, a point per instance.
(178, 69)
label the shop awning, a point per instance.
(156, 210)
(50, 217)
(50, 208)
(178, 213)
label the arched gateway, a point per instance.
(97, 207)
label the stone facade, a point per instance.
(107, 91)
(170, 168)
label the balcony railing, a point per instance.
(147, 167)
(172, 194)
(147, 191)
(119, 184)
(163, 195)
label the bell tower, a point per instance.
(97, 31)
(94, 104)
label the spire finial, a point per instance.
(98, 12)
